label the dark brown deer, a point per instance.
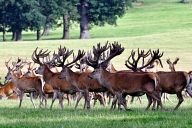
(90, 84)
(81, 80)
(174, 83)
(124, 82)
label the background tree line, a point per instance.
(42, 15)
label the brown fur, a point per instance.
(7, 90)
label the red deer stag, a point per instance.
(124, 82)
(52, 79)
(174, 82)
(81, 80)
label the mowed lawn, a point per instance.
(163, 24)
(98, 117)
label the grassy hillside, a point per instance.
(149, 17)
(164, 24)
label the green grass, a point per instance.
(174, 44)
(12, 116)
(163, 24)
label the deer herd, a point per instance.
(91, 75)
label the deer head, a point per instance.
(39, 58)
(16, 68)
(172, 64)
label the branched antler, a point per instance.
(41, 54)
(97, 51)
(115, 50)
(133, 64)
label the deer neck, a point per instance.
(72, 77)
(47, 74)
(104, 79)
(14, 78)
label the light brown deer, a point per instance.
(7, 90)
(27, 85)
(58, 85)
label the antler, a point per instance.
(176, 60)
(133, 65)
(41, 54)
(168, 61)
(61, 56)
(76, 58)
(115, 50)
(7, 63)
(97, 51)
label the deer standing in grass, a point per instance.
(174, 82)
(59, 86)
(124, 82)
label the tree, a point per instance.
(68, 12)
(99, 12)
(23, 15)
(184, 1)
(3, 18)
(50, 9)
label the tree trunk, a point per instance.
(184, 1)
(38, 34)
(4, 34)
(84, 28)
(46, 30)
(18, 35)
(66, 20)
(13, 35)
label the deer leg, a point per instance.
(78, 99)
(41, 98)
(180, 97)
(156, 98)
(114, 102)
(87, 99)
(139, 98)
(69, 99)
(109, 98)
(121, 101)
(102, 100)
(124, 102)
(54, 98)
(94, 99)
(31, 98)
(45, 99)
(132, 99)
(61, 98)
(21, 94)
(149, 102)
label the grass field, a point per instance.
(12, 116)
(163, 24)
